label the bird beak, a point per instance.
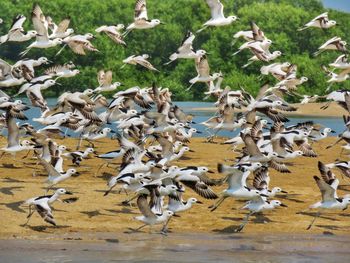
(279, 156)
(284, 205)
(332, 131)
(199, 132)
(285, 192)
(113, 131)
(68, 193)
(162, 23)
(264, 195)
(199, 202)
(59, 84)
(191, 151)
(159, 166)
(176, 215)
(211, 172)
(180, 190)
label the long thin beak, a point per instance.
(68, 193)
(264, 195)
(284, 205)
(176, 215)
(180, 190)
(332, 131)
(285, 192)
(211, 172)
(191, 151)
(199, 132)
(199, 202)
(59, 84)
(162, 23)
(113, 131)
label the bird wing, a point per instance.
(326, 173)
(45, 213)
(201, 188)
(140, 10)
(77, 47)
(261, 179)
(143, 62)
(202, 66)
(144, 207)
(40, 24)
(63, 26)
(216, 9)
(48, 167)
(252, 148)
(258, 35)
(13, 131)
(17, 23)
(327, 191)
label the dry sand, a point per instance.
(310, 109)
(95, 213)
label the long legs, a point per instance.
(313, 220)
(244, 222)
(31, 212)
(217, 204)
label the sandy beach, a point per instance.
(95, 213)
(306, 110)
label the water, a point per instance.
(194, 247)
(336, 124)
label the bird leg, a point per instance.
(200, 30)
(79, 142)
(26, 155)
(100, 168)
(127, 202)
(29, 215)
(313, 220)
(59, 52)
(244, 222)
(331, 145)
(217, 204)
(164, 230)
(139, 228)
(2, 155)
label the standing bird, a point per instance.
(217, 15)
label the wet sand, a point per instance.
(112, 247)
(310, 109)
(95, 213)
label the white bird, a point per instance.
(203, 72)
(148, 217)
(113, 32)
(41, 27)
(139, 60)
(17, 33)
(61, 30)
(341, 62)
(328, 186)
(141, 20)
(186, 50)
(320, 21)
(217, 15)
(42, 204)
(105, 82)
(335, 43)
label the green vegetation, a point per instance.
(279, 19)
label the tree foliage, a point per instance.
(279, 19)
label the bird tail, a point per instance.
(318, 52)
(3, 39)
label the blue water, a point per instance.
(336, 124)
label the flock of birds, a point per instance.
(153, 132)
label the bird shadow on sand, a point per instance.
(330, 227)
(11, 166)
(105, 176)
(344, 187)
(12, 180)
(313, 214)
(123, 210)
(232, 229)
(44, 228)
(93, 213)
(236, 219)
(9, 190)
(15, 206)
(104, 191)
(259, 218)
(286, 197)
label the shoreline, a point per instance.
(307, 110)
